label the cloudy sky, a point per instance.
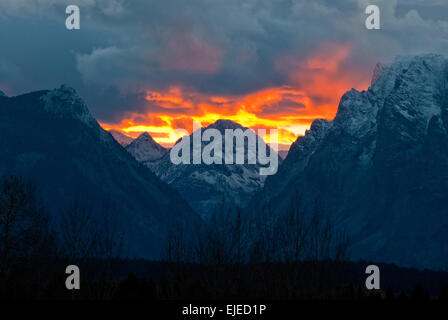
(154, 66)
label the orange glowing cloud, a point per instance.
(323, 76)
(313, 91)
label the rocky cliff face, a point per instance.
(380, 168)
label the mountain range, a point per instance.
(50, 138)
(380, 168)
(204, 187)
(147, 151)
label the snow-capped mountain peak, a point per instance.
(205, 187)
(223, 124)
(65, 102)
(380, 168)
(65, 155)
(145, 148)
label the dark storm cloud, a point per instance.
(222, 47)
(428, 10)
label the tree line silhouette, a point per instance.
(231, 256)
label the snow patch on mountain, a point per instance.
(380, 168)
(65, 102)
(145, 149)
(205, 187)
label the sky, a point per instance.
(156, 66)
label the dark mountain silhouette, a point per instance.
(380, 168)
(50, 138)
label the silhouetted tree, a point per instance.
(79, 233)
(443, 293)
(390, 296)
(419, 294)
(28, 248)
(24, 223)
(177, 249)
(87, 233)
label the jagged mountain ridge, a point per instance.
(147, 151)
(380, 168)
(144, 148)
(69, 157)
(205, 187)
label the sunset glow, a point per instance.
(314, 88)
